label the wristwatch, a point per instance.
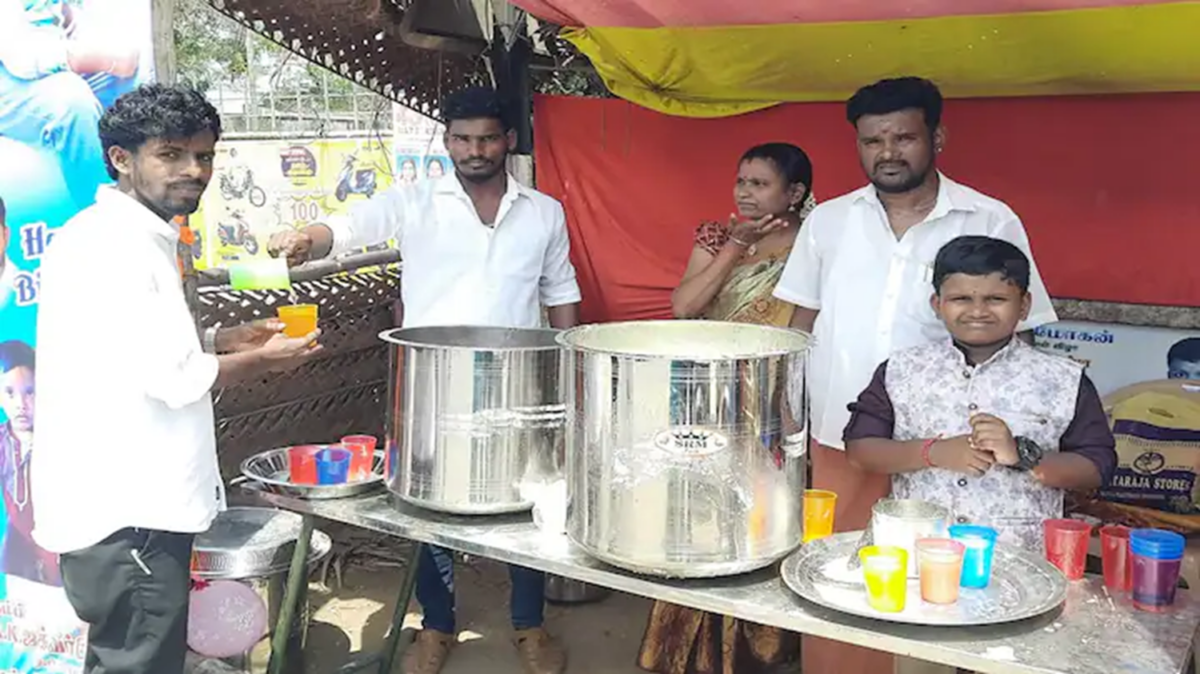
(1029, 453)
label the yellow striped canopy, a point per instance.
(714, 58)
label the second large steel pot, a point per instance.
(683, 458)
(475, 412)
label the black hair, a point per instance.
(893, 95)
(789, 160)
(14, 354)
(1186, 350)
(981, 256)
(155, 111)
(3, 211)
(475, 103)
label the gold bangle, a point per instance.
(739, 242)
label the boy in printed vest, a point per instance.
(983, 423)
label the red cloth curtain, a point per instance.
(1103, 184)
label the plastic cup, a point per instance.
(818, 513)
(1067, 545)
(1114, 558)
(979, 547)
(298, 319)
(940, 561)
(333, 466)
(885, 572)
(1157, 556)
(302, 464)
(362, 455)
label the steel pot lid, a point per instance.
(686, 340)
(245, 543)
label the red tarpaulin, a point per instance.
(1102, 184)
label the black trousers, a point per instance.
(132, 590)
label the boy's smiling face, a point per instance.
(980, 311)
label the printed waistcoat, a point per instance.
(934, 392)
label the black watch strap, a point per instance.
(1029, 453)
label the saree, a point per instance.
(682, 640)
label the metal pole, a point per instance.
(297, 582)
(392, 646)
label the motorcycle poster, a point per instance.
(262, 186)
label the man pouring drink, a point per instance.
(479, 249)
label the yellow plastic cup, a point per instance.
(885, 570)
(298, 319)
(818, 513)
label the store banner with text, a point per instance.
(62, 62)
(1116, 356)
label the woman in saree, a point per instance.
(730, 276)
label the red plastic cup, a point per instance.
(362, 455)
(302, 464)
(1067, 546)
(1114, 558)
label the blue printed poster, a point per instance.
(62, 62)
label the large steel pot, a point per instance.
(475, 412)
(683, 460)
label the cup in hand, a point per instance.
(298, 319)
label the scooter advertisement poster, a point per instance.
(262, 186)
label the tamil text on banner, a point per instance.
(262, 186)
(61, 64)
(1120, 355)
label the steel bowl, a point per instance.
(270, 471)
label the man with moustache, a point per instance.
(125, 473)
(860, 274)
(479, 248)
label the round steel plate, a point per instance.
(1023, 586)
(270, 471)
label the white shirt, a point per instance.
(872, 291)
(124, 417)
(460, 271)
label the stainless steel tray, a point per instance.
(1023, 586)
(252, 543)
(269, 470)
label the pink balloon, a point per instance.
(225, 618)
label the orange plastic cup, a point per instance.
(298, 319)
(302, 464)
(362, 455)
(818, 513)
(939, 561)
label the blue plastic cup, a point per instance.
(333, 466)
(979, 545)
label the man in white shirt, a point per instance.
(860, 276)
(479, 248)
(125, 469)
